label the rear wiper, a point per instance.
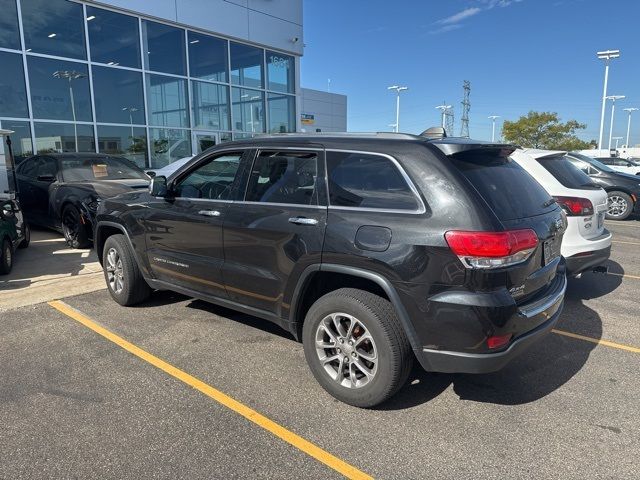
(548, 203)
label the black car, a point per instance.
(623, 189)
(62, 190)
(371, 249)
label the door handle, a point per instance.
(209, 213)
(303, 221)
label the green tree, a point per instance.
(544, 130)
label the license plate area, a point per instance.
(550, 251)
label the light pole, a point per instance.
(616, 139)
(251, 99)
(71, 75)
(493, 126)
(613, 99)
(397, 89)
(606, 55)
(131, 110)
(444, 109)
(630, 110)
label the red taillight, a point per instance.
(498, 341)
(492, 249)
(575, 206)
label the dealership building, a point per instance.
(153, 80)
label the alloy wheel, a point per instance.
(617, 206)
(115, 275)
(346, 350)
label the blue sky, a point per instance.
(519, 55)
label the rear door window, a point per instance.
(367, 181)
(508, 189)
(566, 173)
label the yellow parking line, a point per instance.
(621, 224)
(628, 243)
(606, 343)
(624, 275)
(279, 431)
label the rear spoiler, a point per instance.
(458, 146)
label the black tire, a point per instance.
(27, 236)
(621, 198)
(134, 288)
(6, 257)
(394, 355)
(74, 231)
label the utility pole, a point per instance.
(606, 55)
(466, 106)
(397, 89)
(630, 110)
(493, 126)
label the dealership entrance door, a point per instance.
(204, 140)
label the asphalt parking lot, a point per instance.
(147, 397)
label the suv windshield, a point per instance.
(507, 187)
(105, 168)
(566, 173)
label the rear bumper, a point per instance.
(583, 262)
(543, 313)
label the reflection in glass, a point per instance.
(167, 101)
(20, 140)
(246, 65)
(282, 113)
(61, 137)
(118, 95)
(54, 27)
(13, 93)
(207, 57)
(113, 38)
(280, 72)
(59, 89)
(248, 110)
(163, 48)
(168, 145)
(210, 106)
(9, 33)
(129, 142)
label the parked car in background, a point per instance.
(586, 243)
(623, 190)
(620, 165)
(168, 170)
(373, 249)
(62, 190)
(14, 233)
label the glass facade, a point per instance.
(82, 78)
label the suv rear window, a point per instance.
(508, 189)
(567, 173)
(367, 181)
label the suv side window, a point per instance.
(47, 167)
(284, 177)
(367, 181)
(29, 167)
(212, 179)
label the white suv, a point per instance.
(586, 243)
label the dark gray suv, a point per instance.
(372, 249)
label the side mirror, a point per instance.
(47, 178)
(158, 186)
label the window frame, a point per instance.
(421, 204)
(195, 163)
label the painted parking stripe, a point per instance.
(276, 429)
(626, 243)
(620, 224)
(606, 343)
(624, 275)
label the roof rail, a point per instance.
(434, 132)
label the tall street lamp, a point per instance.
(605, 55)
(616, 139)
(251, 99)
(443, 108)
(613, 99)
(493, 126)
(397, 89)
(71, 75)
(131, 111)
(630, 110)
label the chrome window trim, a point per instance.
(421, 206)
(315, 207)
